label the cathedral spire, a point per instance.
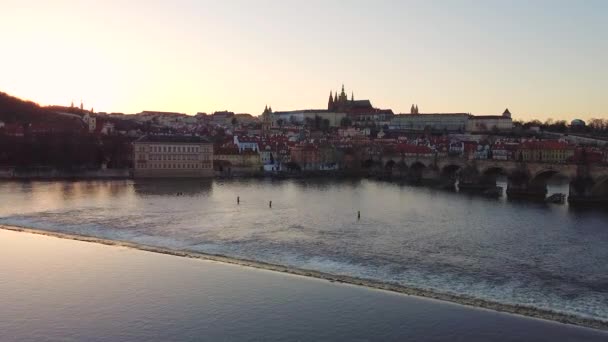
(330, 103)
(352, 96)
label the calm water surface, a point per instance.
(546, 256)
(63, 290)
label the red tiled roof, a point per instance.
(545, 145)
(418, 149)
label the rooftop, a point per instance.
(184, 139)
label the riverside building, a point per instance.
(160, 156)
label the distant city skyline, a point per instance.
(541, 59)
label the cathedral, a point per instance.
(340, 103)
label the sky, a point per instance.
(541, 59)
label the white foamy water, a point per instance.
(543, 256)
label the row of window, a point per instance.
(176, 157)
(174, 149)
(173, 166)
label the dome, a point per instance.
(578, 123)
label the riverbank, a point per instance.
(54, 174)
(463, 300)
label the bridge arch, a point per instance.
(519, 175)
(542, 176)
(451, 170)
(367, 163)
(600, 188)
(390, 164)
(417, 165)
(495, 171)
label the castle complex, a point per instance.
(362, 113)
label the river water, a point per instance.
(545, 256)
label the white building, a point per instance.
(107, 128)
(172, 156)
(452, 122)
(90, 121)
(490, 123)
(246, 143)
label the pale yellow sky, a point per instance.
(545, 59)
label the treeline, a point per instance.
(65, 151)
(16, 111)
(594, 126)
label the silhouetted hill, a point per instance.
(15, 110)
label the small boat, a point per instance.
(556, 198)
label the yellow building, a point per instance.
(157, 156)
(230, 160)
(545, 151)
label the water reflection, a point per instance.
(173, 187)
(513, 251)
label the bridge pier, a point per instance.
(527, 190)
(430, 175)
(521, 186)
(583, 191)
(473, 181)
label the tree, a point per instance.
(317, 122)
(325, 124)
(309, 122)
(345, 122)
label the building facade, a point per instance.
(172, 157)
(546, 151)
(490, 123)
(306, 156)
(453, 122)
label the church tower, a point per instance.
(266, 120)
(330, 103)
(343, 97)
(506, 113)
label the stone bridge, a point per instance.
(525, 179)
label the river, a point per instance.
(539, 255)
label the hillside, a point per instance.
(16, 111)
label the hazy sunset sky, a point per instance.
(539, 58)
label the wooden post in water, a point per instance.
(238, 200)
(359, 215)
(270, 204)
